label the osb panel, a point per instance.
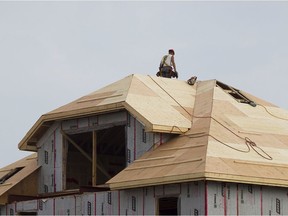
(142, 90)
(23, 182)
(220, 94)
(172, 160)
(113, 93)
(82, 103)
(242, 171)
(223, 107)
(138, 87)
(203, 104)
(226, 135)
(157, 111)
(257, 100)
(261, 125)
(159, 102)
(170, 89)
(178, 94)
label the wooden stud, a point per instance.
(94, 155)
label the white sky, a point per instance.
(52, 53)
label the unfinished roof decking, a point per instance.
(19, 178)
(220, 138)
(162, 104)
(228, 141)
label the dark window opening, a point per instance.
(79, 160)
(46, 157)
(111, 153)
(26, 213)
(133, 203)
(10, 174)
(236, 94)
(168, 206)
(144, 135)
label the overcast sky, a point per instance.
(54, 52)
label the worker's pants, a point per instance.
(166, 71)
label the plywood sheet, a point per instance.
(161, 104)
(220, 128)
(16, 184)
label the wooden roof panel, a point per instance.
(162, 104)
(14, 183)
(221, 127)
(220, 137)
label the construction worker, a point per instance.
(167, 65)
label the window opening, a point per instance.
(111, 153)
(168, 206)
(89, 208)
(79, 160)
(10, 174)
(235, 93)
(46, 157)
(144, 135)
(46, 189)
(134, 203)
(109, 198)
(26, 213)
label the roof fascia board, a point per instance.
(149, 127)
(200, 176)
(246, 179)
(157, 181)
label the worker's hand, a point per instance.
(176, 74)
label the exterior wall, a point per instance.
(274, 201)
(138, 141)
(50, 159)
(3, 209)
(243, 199)
(194, 198)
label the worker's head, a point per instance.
(171, 51)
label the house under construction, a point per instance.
(147, 145)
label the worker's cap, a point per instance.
(171, 51)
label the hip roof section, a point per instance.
(228, 141)
(161, 104)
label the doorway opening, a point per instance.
(168, 206)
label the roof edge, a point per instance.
(156, 181)
(210, 176)
(48, 118)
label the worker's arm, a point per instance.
(173, 63)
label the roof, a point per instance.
(145, 97)
(224, 134)
(235, 137)
(19, 178)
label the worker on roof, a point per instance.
(167, 65)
